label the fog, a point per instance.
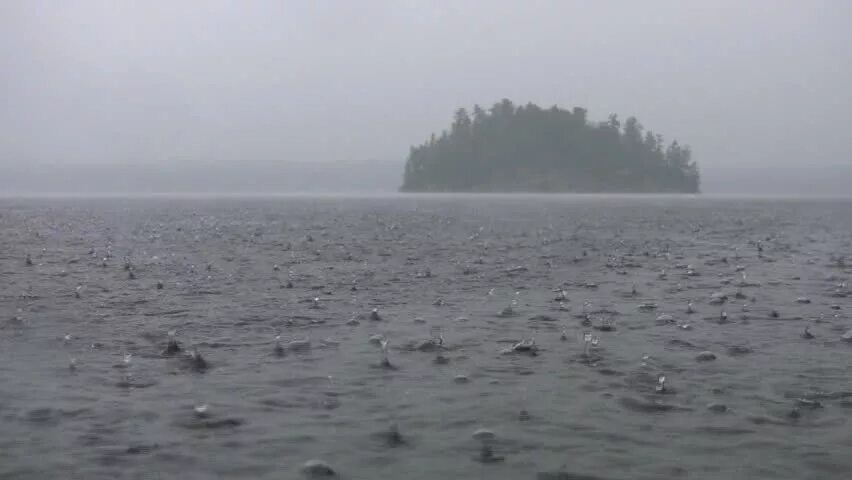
(327, 93)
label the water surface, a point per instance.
(452, 262)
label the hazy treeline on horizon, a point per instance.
(350, 177)
(512, 147)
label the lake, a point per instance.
(547, 320)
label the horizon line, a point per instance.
(395, 194)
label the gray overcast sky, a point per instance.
(760, 82)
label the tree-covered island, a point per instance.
(511, 148)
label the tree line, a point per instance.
(510, 148)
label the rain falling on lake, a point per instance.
(417, 337)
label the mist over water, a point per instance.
(250, 178)
(165, 85)
(349, 178)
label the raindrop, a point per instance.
(661, 384)
(201, 410)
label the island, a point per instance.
(510, 148)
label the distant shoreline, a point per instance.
(377, 178)
(510, 147)
(414, 195)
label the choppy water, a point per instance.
(452, 263)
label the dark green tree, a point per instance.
(527, 148)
